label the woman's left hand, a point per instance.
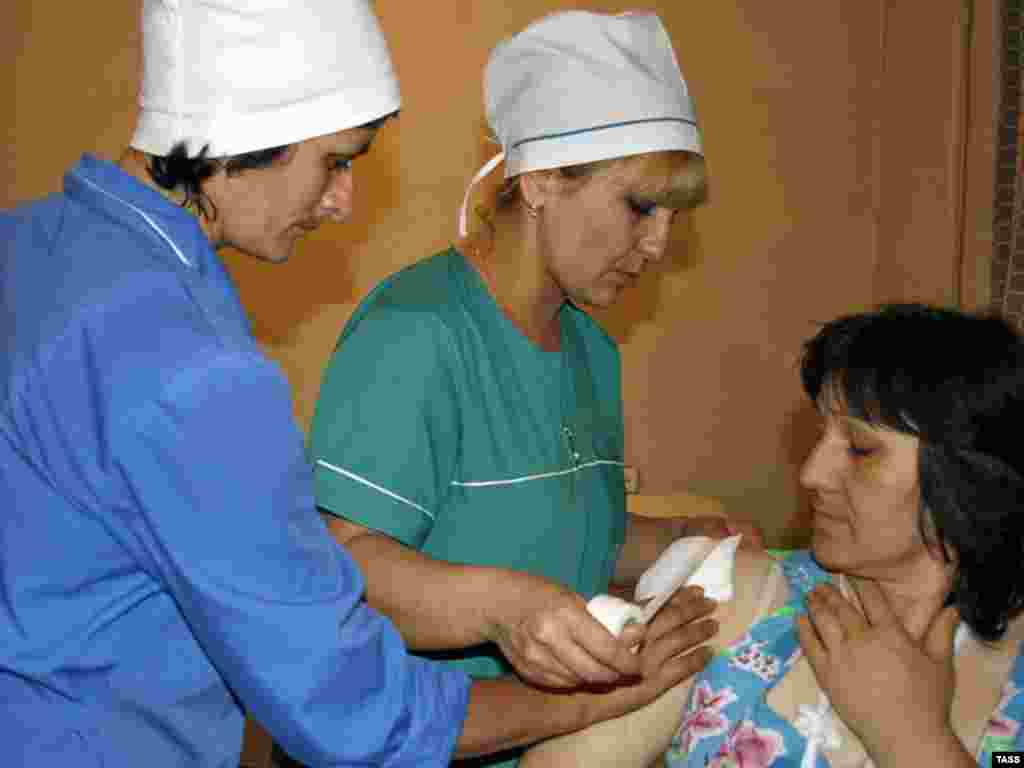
(891, 683)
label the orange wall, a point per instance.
(835, 137)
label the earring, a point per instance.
(533, 211)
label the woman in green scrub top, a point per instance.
(468, 438)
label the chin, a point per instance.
(827, 551)
(276, 253)
(599, 299)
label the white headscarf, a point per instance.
(243, 75)
(577, 87)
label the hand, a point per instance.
(684, 621)
(671, 652)
(891, 684)
(550, 638)
(722, 527)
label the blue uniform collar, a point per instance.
(101, 184)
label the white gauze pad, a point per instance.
(690, 561)
(614, 612)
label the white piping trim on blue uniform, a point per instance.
(367, 483)
(527, 478)
(167, 239)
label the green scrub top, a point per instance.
(441, 425)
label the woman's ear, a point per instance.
(537, 187)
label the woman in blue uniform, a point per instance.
(163, 569)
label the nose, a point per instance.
(337, 200)
(655, 239)
(820, 470)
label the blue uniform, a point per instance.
(162, 564)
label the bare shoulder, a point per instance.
(640, 738)
(759, 588)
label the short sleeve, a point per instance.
(222, 493)
(385, 435)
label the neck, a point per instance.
(136, 164)
(916, 594)
(521, 283)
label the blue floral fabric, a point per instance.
(728, 723)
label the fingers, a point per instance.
(595, 654)
(826, 615)
(811, 643)
(682, 667)
(939, 642)
(680, 640)
(545, 653)
(874, 602)
(686, 605)
(922, 617)
(539, 666)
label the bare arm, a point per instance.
(405, 585)
(639, 738)
(507, 713)
(543, 629)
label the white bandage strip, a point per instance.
(694, 561)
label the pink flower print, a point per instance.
(753, 659)
(999, 725)
(793, 658)
(1002, 727)
(722, 761)
(749, 747)
(704, 717)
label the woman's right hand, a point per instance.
(552, 640)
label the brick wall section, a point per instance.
(1008, 259)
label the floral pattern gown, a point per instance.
(728, 724)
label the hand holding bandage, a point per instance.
(554, 639)
(691, 561)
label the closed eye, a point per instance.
(642, 207)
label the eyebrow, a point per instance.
(672, 197)
(362, 150)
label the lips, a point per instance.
(826, 516)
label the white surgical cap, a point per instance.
(244, 75)
(577, 87)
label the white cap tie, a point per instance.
(489, 166)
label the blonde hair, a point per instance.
(686, 173)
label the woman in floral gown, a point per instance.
(896, 639)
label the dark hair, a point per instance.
(179, 171)
(955, 381)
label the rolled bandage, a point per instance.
(697, 561)
(613, 612)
